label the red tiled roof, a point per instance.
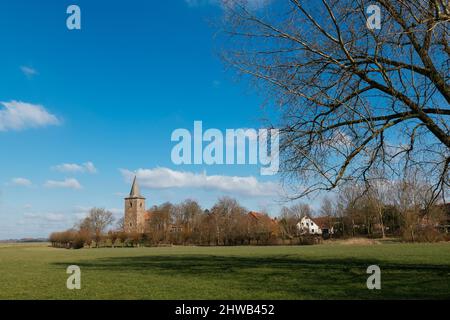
(258, 216)
(322, 222)
(148, 215)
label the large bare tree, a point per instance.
(352, 99)
(96, 223)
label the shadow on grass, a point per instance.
(287, 276)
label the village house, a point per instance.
(326, 225)
(316, 226)
(261, 219)
(254, 216)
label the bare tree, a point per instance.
(228, 215)
(161, 219)
(96, 223)
(301, 210)
(348, 197)
(327, 208)
(120, 224)
(191, 211)
(290, 216)
(288, 223)
(414, 199)
(329, 211)
(377, 195)
(353, 98)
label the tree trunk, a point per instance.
(380, 213)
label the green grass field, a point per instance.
(409, 271)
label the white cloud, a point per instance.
(67, 183)
(49, 217)
(87, 167)
(115, 211)
(17, 115)
(54, 217)
(28, 71)
(21, 182)
(164, 178)
(81, 212)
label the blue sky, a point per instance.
(80, 109)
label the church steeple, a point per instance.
(134, 210)
(135, 191)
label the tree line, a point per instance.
(396, 209)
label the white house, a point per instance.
(307, 225)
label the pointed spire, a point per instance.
(135, 192)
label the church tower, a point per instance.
(134, 210)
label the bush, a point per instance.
(428, 234)
(310, 239)
(78, 242)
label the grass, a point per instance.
(409, 271)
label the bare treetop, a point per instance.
(353, 99)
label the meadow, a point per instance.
(409, 271)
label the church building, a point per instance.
(135, 212)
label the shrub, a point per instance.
(78, 242)
(310, 239)
(428, 234)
